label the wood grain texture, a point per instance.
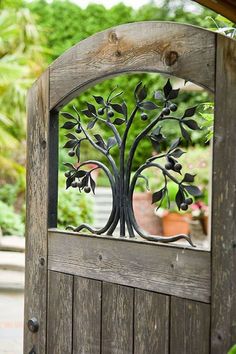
(36, 213)
(224, 207)
(190, 327)
(117, 319)
(60, 299)
(87, 316)
(166, 269)
(175, 49)
(151, 323)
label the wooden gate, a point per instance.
(98, 294)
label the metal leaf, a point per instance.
(70, 136)
(67, 115)
(192, 124)
(142, 94)
(193, 190)
(88, 113)
(167, 89)
(100, 142)
(70, 144)
(111, 142)
(91, 124)
(117, 107)
(92, 184)
(84, 181)
(68, 125)
(98, 137)
(80, 173)
(157, 196)
(177, 153)
(188, 178)
(148, 105)
(184, 133)
(69, 180)
(77, 152)
(179, 198)
(91, 108)
(118, 121)
(99, 99)
(175, 143)
(137, 88)
(173, 94)
(124, 109)
(189, 112)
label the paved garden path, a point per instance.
(11, 322)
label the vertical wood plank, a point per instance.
(190, 327)
(60, 299)
(86, 316)
(223, 202)
(117, 319)
(53, 175)
(36, 213)
(151, 323)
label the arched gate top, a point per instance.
(170, 48)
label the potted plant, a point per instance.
(199, 221)
(195, 221)
(144, 210)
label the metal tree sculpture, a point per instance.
(122, 185)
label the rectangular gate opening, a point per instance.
(91, 132)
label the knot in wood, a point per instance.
(113, 38)
(171, 58)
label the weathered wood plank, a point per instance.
(169, 270)
(190, 327)
(87, 316)
(181, 50)
(224, 208)
(60, 299)
(151, 323)
(117, 319)
(36, 213)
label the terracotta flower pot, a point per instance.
(175, 223)
(144, 212)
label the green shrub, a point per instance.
(232, 350)
(10, 222)
(74, 208)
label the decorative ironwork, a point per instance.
(122, 183)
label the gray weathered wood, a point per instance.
(224, 207)
(190, 327)
(165, 269)
(60, 299)
(86, 316)
(151, 323)
(36, 213)
(175, 49)
(117, 319)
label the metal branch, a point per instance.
(114, 196)
(113, 128)
(103, 151)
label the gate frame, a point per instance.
(191, 53)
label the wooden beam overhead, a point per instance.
(226, 8)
